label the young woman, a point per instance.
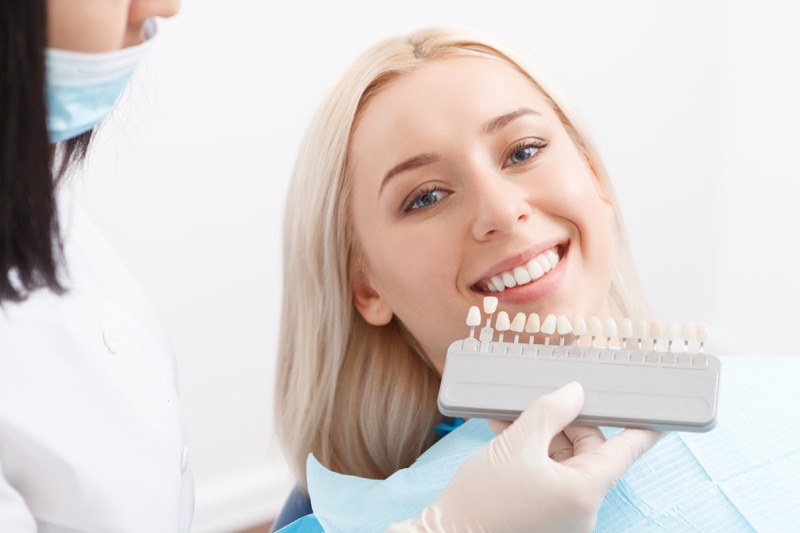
(443, 167)
(91, 430)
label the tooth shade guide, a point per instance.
(572, 332)
(489, 307)
(640, 331)
(473, 319)
(563, 327)
(518, 326)
(609, 330)
(655, 333)
(548, 327)
(702, 335)
(671, 334)
(502, 324)
(532, 326)
(687, 335)
(625, 332)
(595, 329)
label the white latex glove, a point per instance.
(539, 474)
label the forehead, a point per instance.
(444, 93)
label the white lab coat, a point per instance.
(91, 430)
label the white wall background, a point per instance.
(694, 105)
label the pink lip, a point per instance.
(536, 290)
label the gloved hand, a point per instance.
(539, 474)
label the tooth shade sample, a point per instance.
(563, 325)
(474, 316)
(702, 333)
(626, 328)
(489, 304)
(502, 323)
(549, 324)
(579, 326)
(641, 328)
(610, 328)
(518, 324)
(595, 327)
(656, 331)
(687, 332)
(532, 324)
(672, 330)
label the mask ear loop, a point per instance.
(150, 29)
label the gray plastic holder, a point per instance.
(667, 391)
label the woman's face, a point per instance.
(96, 26)
(463, 176)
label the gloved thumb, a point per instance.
(535, 428)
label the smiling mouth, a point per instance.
(523, 274)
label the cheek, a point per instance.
(410, 260)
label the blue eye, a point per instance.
(524, 151)
(522, 154)
(425, 198)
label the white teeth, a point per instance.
(535, 269)
(552, 257)
(499, 286)
(522, 275)
(543, 262)
(508, 279)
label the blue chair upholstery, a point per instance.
(297, 505)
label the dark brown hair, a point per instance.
(30, 245)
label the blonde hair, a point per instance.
(363, 398)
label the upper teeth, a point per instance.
(523, 274)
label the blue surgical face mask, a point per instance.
(83, 88)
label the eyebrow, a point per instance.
(427, 158)
(409, 164)
(499, 122)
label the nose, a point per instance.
(500, 206)
(141, 10)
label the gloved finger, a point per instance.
(498, 426)
(545, 418)
(615, 456)
(561, 448)
(584, 438)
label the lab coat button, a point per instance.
(111, 340)
(184, 458)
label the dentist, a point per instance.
(91, 430)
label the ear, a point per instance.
(370, 303)
(601, 191)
